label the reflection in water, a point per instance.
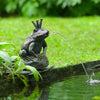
(73, 88)
(91, 80)
(45, 94)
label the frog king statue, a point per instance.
(31, 48)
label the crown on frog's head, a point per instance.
(37, 25)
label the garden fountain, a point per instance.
(58, 83)
(31, 48)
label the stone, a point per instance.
(31, 48)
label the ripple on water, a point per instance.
(76, 88)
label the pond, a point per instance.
(75, 88)
(72, 88)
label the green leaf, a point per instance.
(1, 71)
(11, 7)
(5, 57)
(8, 68)
(65, 3)
(96, 1)
(20, 66)
(30, 8)
(60, 2)
(13, 58)
(34, 71)
(21, 2)
(43, 1)
(11, 72)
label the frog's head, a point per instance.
(38, 32)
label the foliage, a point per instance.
(49, 7)
(6, 62)
(96, 98)
(34, 71)
(15, 67)
(69, 3)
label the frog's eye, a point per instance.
(35, 30)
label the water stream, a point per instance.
(68, 41)
(89, 79)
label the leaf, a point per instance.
(30, 8)
(7, 62)
(5, 57)
(69, 3)
(11, 72)
(34, 71)
(43, 1)
(96, 1)
(60, 2)
(21, 2)
(20, 66)
(13, 58)
(11, 7)
(1, 71)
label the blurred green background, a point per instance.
(40, 8)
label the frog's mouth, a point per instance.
(43, 35)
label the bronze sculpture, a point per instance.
(32, 46)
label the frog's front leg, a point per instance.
(44, 44)
(30, 49)
(44, 50)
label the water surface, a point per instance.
(73, 88)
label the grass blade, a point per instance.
(4, 44)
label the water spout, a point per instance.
(92, 81)
(74, 51)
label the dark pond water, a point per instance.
(73, 88)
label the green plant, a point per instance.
(5, 60)
(19, 67)
(69, 3)
(96, 98)
(9, 63)
(31, 8)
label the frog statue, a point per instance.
(31, 48)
